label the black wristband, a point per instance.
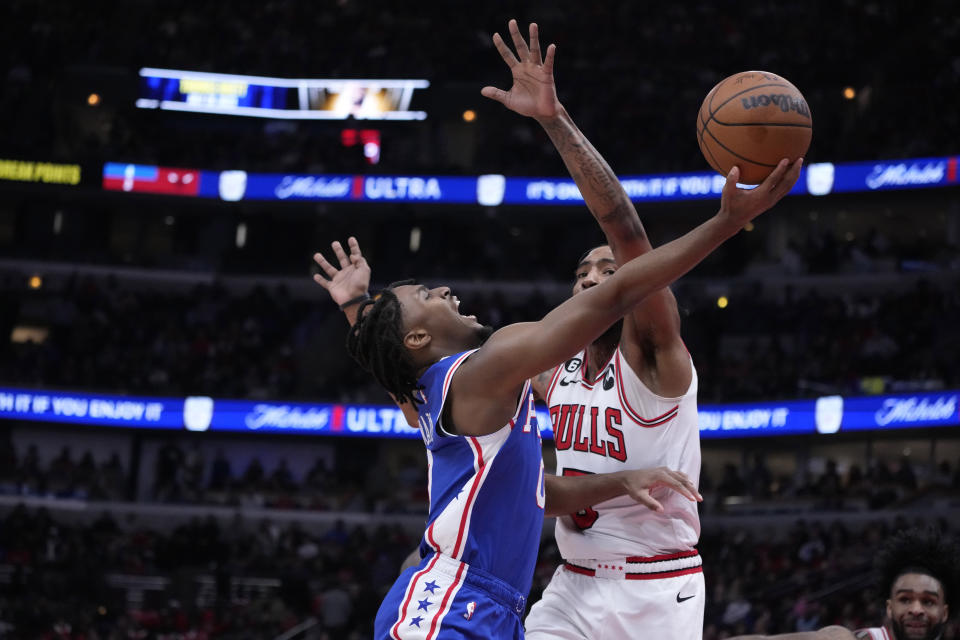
(353, 301)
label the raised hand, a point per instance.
(352, 279)
(533, 92)
(741, 206)
(640, 482)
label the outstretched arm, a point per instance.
(568, 494)
(489, 380)
(534, 94)
(348, 286)
(827, 633)
(654, 324)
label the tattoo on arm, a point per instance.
(582, 159)
(601, 189)
(541, 383)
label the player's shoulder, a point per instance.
(440, 372)
(669, 375)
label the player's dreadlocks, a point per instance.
(376, 342)
(928, 552)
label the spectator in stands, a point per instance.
(919, 572)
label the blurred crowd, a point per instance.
(877, 484)
(83, 478)
(234, 580)
(359, 480)
(811, 344)
(632, 74)
(267, 344)
(59, 580)
(363, 477)
(389, 477)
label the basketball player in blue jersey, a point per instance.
(627, 401)
(919, 572)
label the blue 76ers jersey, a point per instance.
(486, 492)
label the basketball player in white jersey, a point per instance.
(627, 401)
(918, 570)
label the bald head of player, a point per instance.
(406, 328)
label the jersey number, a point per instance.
(584, 518)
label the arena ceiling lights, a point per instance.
(284, 98)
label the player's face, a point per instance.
(436, 311)
(596, 266)
(917, 608)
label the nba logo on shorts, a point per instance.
(233, 185)
(197, 413)
(471, 607)
(829, 414)
(490, 189)
(820, 178)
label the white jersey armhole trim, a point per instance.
(624, 366)
(448, 379)
(553, 383)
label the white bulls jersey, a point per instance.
(874, 633)
(615, 423)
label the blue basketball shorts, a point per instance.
(443, 598)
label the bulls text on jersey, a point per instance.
(602, 435)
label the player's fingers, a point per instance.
(328, 268)
(681, 487)
(681, 477)
(691, 488)
(790, 177)
(643, 497)
(535, 43)
(494, 94)
(776, 176)
(522, 51)
(504, 50)
(320, 280)
(341, 254)
(730, 187)
(548, 61)
(354, 246)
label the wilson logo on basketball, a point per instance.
(785, 101)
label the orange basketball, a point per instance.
(753, 120)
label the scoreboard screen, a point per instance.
(286, 98)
